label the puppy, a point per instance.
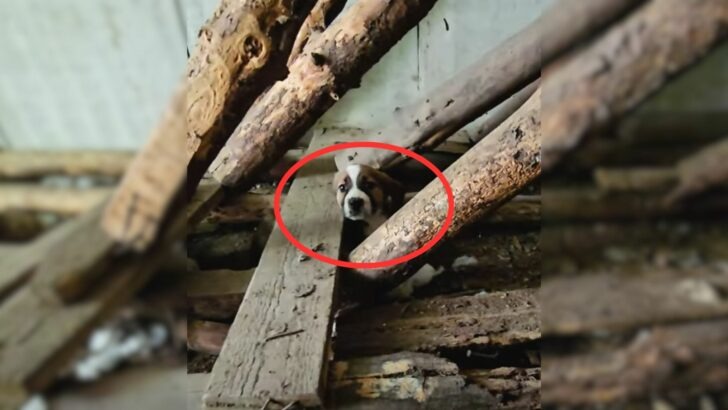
(367, 195)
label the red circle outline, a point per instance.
(363, 265)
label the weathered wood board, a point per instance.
(495, 319)
(277, 346)
(409, 380)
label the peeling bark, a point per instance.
(485, 177)
(492, 79)
(240, 52)
(322, 14)
(329, 66)
(224, 76)
(621, 69)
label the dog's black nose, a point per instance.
(356, 203)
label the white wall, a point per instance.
(97, 73)
(86, 73)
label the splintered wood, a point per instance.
(277, 345)
(329, 65)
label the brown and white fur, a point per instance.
(368, 195)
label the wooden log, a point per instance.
(499, 115)
(39, 198)
(612, 302)
(330, 64)
(206, 337)
(701, 172)
(635, 179)
(609, 77)
(35, 164)
(485, 177)
(322, 14)
(224, 76)
(664, 361)
(588, 204)
(493, 319)
(277, 348)
(241, 50)
(492, 79)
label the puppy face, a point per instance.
(363, 192)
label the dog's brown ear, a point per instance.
(393, 188)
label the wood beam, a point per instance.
(330, 65)
(636, 57)
(485, 177)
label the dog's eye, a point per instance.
(342, 188)
(366, 184)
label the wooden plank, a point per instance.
(39, 198)
(277, 346)
(618, 302)
(409, 380)
(18, 266)
(33, 164)
(495, 319)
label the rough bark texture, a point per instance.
(495, 319)
(322, 14)
(485, 177)
(661, 362)
(492, 79)
(618, 71)
(224, 76)
(329, 66)
(34, 164)
(241, 50)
